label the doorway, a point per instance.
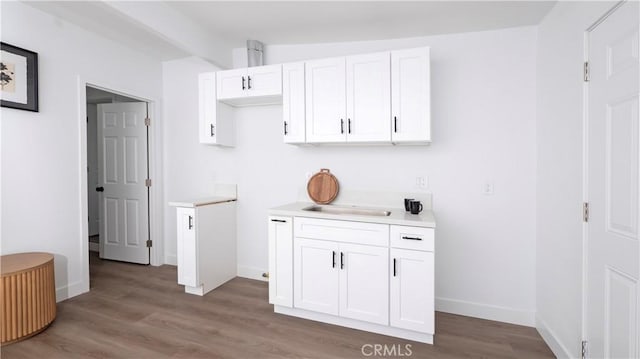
(117, 176)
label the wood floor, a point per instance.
(135, 311)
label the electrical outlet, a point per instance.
(487, 188)
(421, 182)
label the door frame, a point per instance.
(585, 167)
(154, 157)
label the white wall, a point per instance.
(41, 162)
(559, 173)
(484, 129)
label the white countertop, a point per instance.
(398, 216)
(202, 201)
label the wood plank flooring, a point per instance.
(135, 311)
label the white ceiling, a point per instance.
(331, 21)
(211, 29)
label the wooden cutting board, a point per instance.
(323, 187)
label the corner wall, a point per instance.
(559, 173)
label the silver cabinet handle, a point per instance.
(190, 222)
(212, 133)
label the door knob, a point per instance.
(99, 189)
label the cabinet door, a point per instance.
(369, 98)
(231, 84)
(216, 125)
(264, 81)
(281, 261)
(411, 95)
(325, 100)
(293, 102)
(364, 283)
(207, 111)
(187, 247)
(411, 294)
(316, 279)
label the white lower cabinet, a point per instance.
(316, 275)
(368, 276)
(281, 261)
(364, 283)
(206, 241)
(411, 290)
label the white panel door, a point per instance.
(368, 98)
(122, 163)
(264, 80)
(231, 84)
(411, 95)
(281, 261)
(364, 283)
(325, 100)
(411, 290)
(316, 275)
(293, 93)
(613, 255)
(187, 247)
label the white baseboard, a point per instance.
(485, 311)
(171, 259)
(252, 273)
(69, 291)
(94, 247)
(556, 346)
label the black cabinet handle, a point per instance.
(99, 189)
(285, 128)
(190, 222)
(395, 124)
(212, 133)
(243, 83)
(412, 238)
(341, 260)
(279, 220)
(249, 82)
(394, 267)
(341, 126)
(333, 257)
(349, 125)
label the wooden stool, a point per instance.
(28, 295)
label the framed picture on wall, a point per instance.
(18, 78)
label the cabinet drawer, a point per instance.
(342, 231)
(417, 238)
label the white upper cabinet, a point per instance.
(325, 100)
(216, 125)
(293, 93)
(411, 96)
(368, 98)
(232, 84)
(250, 86)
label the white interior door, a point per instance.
(613, 254)
(122, 171)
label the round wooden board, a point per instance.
(323, 187)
